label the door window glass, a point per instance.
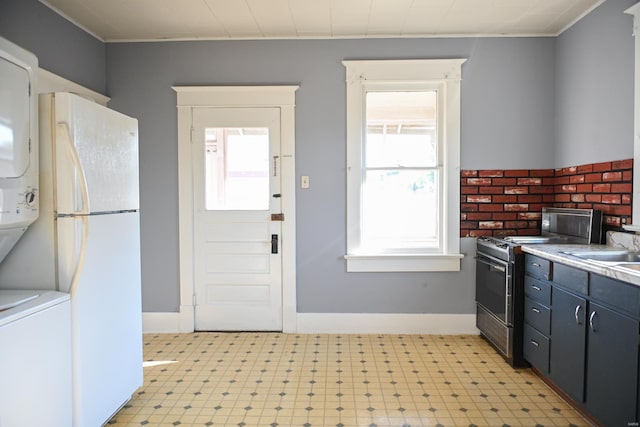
(237, 168)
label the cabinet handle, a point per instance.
(535, 343)
(535, 264)
(537, 288)
(577, 314)
(535, 310)
(592, 319)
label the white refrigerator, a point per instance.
(87, 242)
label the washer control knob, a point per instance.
(30, 198)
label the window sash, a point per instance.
(433, 245)
(393, 112)
(399, 215)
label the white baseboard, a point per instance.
(343, 323)
(168, 323)
(159, 323)
(382, 323)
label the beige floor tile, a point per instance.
(264, 379)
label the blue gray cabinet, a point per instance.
(593, 339)
(567, 361)
(612, 367)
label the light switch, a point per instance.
(304, 182)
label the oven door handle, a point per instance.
(499, 268)
(492, 265)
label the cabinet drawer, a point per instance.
(538, 267)
(536, 349)
(620, 295)
(537, 289)
(537, 315)
(571, 278)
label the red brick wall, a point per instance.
(510, 202)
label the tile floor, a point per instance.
(272, 379)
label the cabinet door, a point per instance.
(568, 333)
(612, 369)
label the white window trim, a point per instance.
(635, 226)
(447, 74)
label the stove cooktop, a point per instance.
(506, 248)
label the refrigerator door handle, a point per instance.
(83, 249)
(64, 134)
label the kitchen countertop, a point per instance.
(556, 253)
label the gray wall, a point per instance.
(61, 47)
(594, 82)
(507, 117)
(526, 103)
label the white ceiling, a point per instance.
(138, 20)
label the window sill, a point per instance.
(403, 263)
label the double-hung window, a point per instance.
(403, 165)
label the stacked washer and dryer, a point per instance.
(35, 325)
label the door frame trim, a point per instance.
(282, 97)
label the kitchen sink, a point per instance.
(634, 267)
(608, 256)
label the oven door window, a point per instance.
(492, 287)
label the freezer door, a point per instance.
(96, 148)
(106, 312)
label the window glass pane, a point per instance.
(237, 168)
(400, 209)
(401, 129)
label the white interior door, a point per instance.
(237, 232)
